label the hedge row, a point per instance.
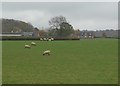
(32, 38)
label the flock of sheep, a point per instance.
(47, 52)
(46, 39)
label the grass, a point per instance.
(71, 62)
(0, 62)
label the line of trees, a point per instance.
(59, 28)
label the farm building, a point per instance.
(27, 34)
(17, 34)
(99, 34)
(86, 34)
(36, 32)
(11, 34)
(107, 33)
(111, 33)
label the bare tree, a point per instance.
(59, 27)
(56, 21)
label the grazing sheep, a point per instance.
(47, 52)
(52, 39)
(44, 39)
(33, 43)
(41, 39)
(49, 39)
(27, 46)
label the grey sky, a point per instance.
(82, 15)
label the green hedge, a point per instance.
(33, 38)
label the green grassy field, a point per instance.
(71, 62)
(0, 62)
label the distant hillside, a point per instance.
(10, 25)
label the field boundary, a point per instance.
(60, 85)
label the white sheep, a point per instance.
(52, 39)
(27, 46)
(49, 40)
(41, 39)
(33, 43)
(44, 39)
(47, 52)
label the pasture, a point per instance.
(0, 62)
(71, 62)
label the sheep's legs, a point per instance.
(47, 54)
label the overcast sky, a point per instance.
(82, 15)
